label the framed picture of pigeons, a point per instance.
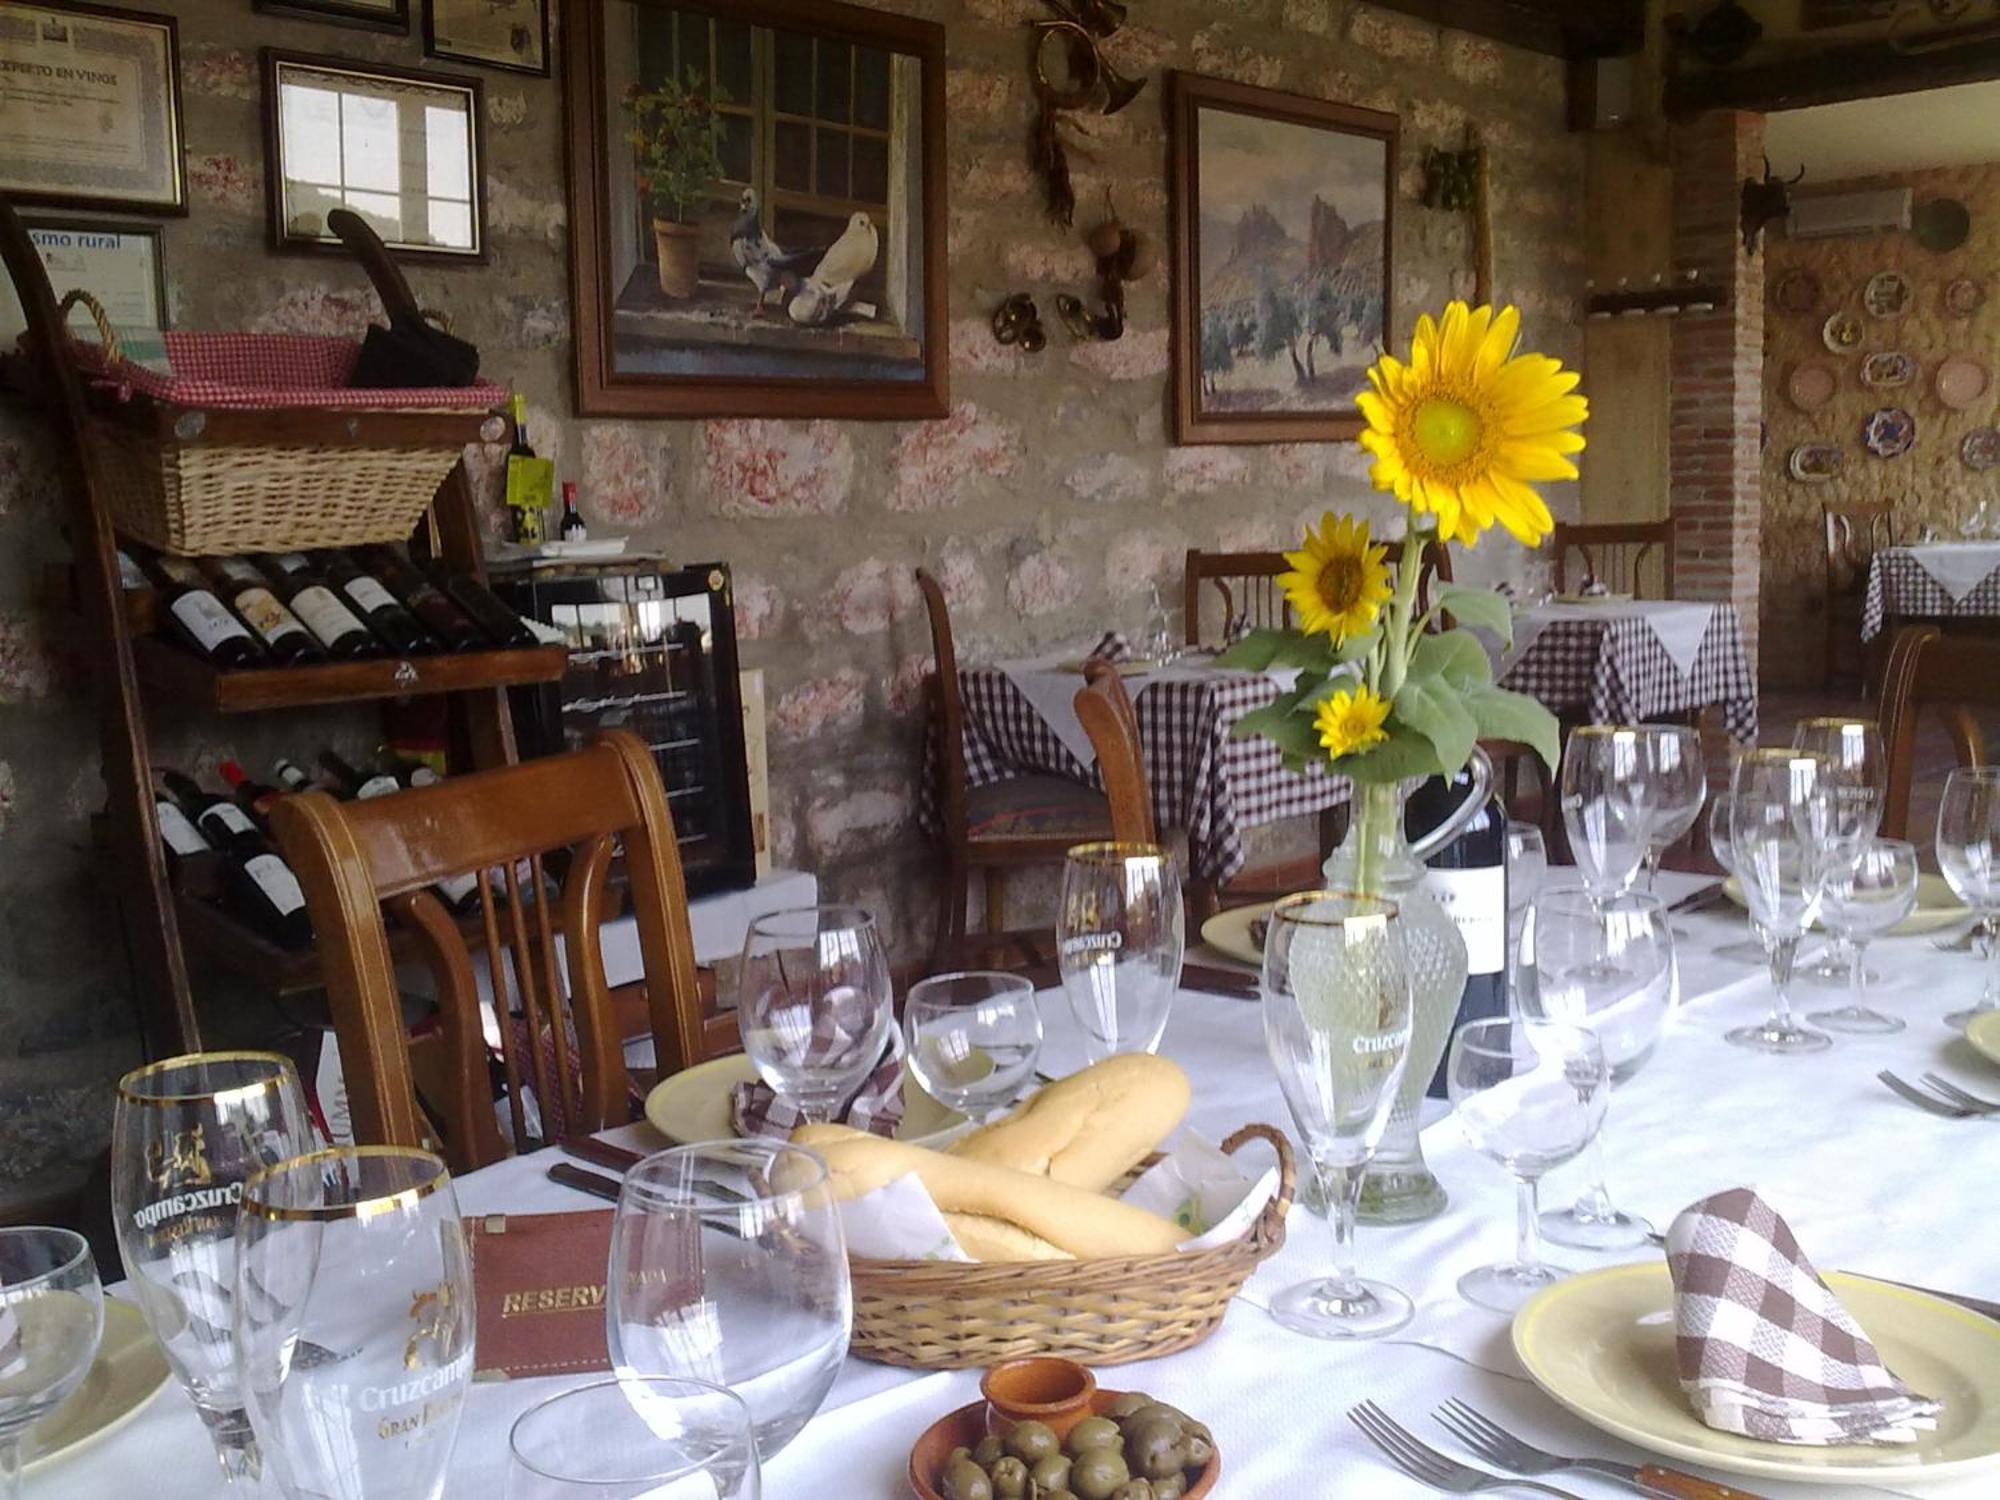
(757, 209)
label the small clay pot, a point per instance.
(1040, 1388)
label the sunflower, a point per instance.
(1339, 583)
(1348, 722)
(1466, 428)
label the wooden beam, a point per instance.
(1832, 75)
(1552, 27)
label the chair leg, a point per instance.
(996, 899)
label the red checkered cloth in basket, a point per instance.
(1765, 1349)
(266, 371)
(877, 1106)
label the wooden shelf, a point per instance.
(1694, 301)
(165, 667)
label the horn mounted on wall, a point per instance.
(1079, 27)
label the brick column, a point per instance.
(1716, 401)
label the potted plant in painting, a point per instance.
(674, 137)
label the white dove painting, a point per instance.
(846, 261)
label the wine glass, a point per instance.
(51, 1317)
(1721, 809)
(1607, 967)
(815, 1004)
(972, 1039)
(359, 1252)
(1968, 841)
(634, 1439)
(1860, 782)
(186, 1134)
(1604, 797)
(1337, 1011)
(1676, 786)
(1527, 868)
(1863, 900)
(1119, 941)
(1529, 1094)
(728, 1265)
(1781, 837)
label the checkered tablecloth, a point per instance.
(1900, 587)
(1613, 669)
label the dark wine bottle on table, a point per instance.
(201, 619)
(1468, 878)
(502, 626)
(246, 591)
(260, 886)
(357, 784)
(423, 599)
(384, 613)
(298, 583)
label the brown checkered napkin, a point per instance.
(1765, 1349)
(877, 1106)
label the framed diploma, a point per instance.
(118, 264)
(90, 108)
(511, 34)
(376, 15)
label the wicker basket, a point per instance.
(934, 1315)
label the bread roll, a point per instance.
(1090, 1128)
(988, 1239)
(1076, 1223)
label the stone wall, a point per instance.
(1049, 500)
(1930, 484)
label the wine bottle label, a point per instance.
(275, 879)
(239, 570)
(230, 816)
(327, 617)
(1476, 902)
(378, 786)
(292, 562)
(424, 776)
(180, 570)
(369, 594)
(265, 615)
(201, 614)
(176, 832)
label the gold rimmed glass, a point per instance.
(1604, 797)
(1120, 937)
(358, 1254)
(187, 1133)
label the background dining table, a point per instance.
(1931, 580)
(1870, 1184)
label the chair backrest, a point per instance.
(948, 719)
(1855, 531)
(1617, 555)
(1248, 584)
(1952, 675)
(1111, 720)
(357, 860)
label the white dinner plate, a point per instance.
(130, 1370)
(1983, 1032)
(1236, 932)
(693, 1105)
(1593, 599)
(1938, 906)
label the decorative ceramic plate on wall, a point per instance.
(1890, 432)
(1961, 381)
(1814, 463)
(1887, 294)
(1797, 291)
(1841, 333)
(1963, 297)
(1981, 449)
(1888, 369)
(1812, 385)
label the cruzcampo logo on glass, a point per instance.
(183, 1182)
(436, 1354)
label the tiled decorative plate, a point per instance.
(1797, 291)
(1841, 333)
(1887, 294)
(1812, 385)
(1963, 297)
(1890, 432)
(1814, 463)
(1888, 369)
(1961, 381)
(1981, 449)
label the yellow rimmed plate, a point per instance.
(1236, 933)
(1983, 1032)
(130, 1370)
(1601, 1344)
(693, 1105)
(1938, 906)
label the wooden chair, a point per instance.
(1948, 674)
(1855, 531)
(1023, 820)
(1112, 722)
(1616, 555)
(1248, 584)
(357, 860)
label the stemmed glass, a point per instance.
(1863, 900)
(1529, 1094)
(51, 1317)
(1859, 780)
(1607, 967)
(1605, 804)
(1337, 1008)
(359, 1252)
(815, 1004)
(972, 1039)
(633, 1440)
(1120, 935)
(1720, 810)
(187, 1133)
(1781, 834)
(1968, 851)
(1527, 868)
(728, 1265)
(1676, 787)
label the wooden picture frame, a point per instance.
(370, 15)
(1269, 277)
(467, 31)
(867, 346)
(134, 299)
(117, 73)
(289, 222)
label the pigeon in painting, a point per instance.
(768, 267)
(846, 261)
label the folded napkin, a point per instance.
(1765, 1349)
(1112, 648)
(877, 1106)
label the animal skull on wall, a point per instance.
(1765, 202)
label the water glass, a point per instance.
(815, 1004)
(1527, 868)
(1605, 804)
(51, 1317)
(728, 1265)
(1859, 782)
(1529, 1094)
(357, 1252)
(186, 1134)
(972, 1039)
(1120, 934)
(1968, 839)
(641, 1439)
(1337, 1014)
(1676, 786)
(1721, 809)
(1781, 838)
(1864, 899)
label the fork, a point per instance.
(1959, 1096)
(1492, 1442)
(1428, 1466)
(1930, 1103)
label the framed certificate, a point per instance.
(376, 15)
(511, 34)
(90, 108)
(118, 264)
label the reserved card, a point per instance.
(538, 1285)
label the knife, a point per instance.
(1699, 899)
(598, 1153)
(1651, 1479)
(594, 1183)
(1211, 981)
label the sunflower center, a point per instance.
(1447, 431)
(1340, 582)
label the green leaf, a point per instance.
(1254, 652)
(1403, 755)
(1485, 608)
(1262, 650)
(1433, 708)
(1292, 733)
(1455, 656)
(1502, 715)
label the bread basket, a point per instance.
(944, 1315)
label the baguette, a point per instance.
(986, 1238)
(1072, 1221)
(1089, 1129)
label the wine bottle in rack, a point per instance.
(298, 583)
(408, 773)
(292, 778)
(351, 782)
(247, 592)
(423, 599)
(201, 619)
(384, 613)
(1468, 878)
(502, 626)
(253, 796)
(177, 831)
(260, 886)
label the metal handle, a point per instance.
(1481, 766)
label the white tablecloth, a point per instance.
(1958, 567)
(1870, 1183)
(1677, 624)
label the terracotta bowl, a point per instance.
(966, 1426)
(1040, 1388)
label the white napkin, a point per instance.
(1051, 692)
(1958, 567)
(1679, 626)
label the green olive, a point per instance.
(961, 1451)
(1135, 1489)
(965, 1480)
(1155, 1446)
(1097, 1473)
(1128, 1403)
(1093, 1432)
(1010, 1479)
(1052, 1474)
(1170, 1489)
(1200, 1449)
(1031, 1442)
(988, 1452)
